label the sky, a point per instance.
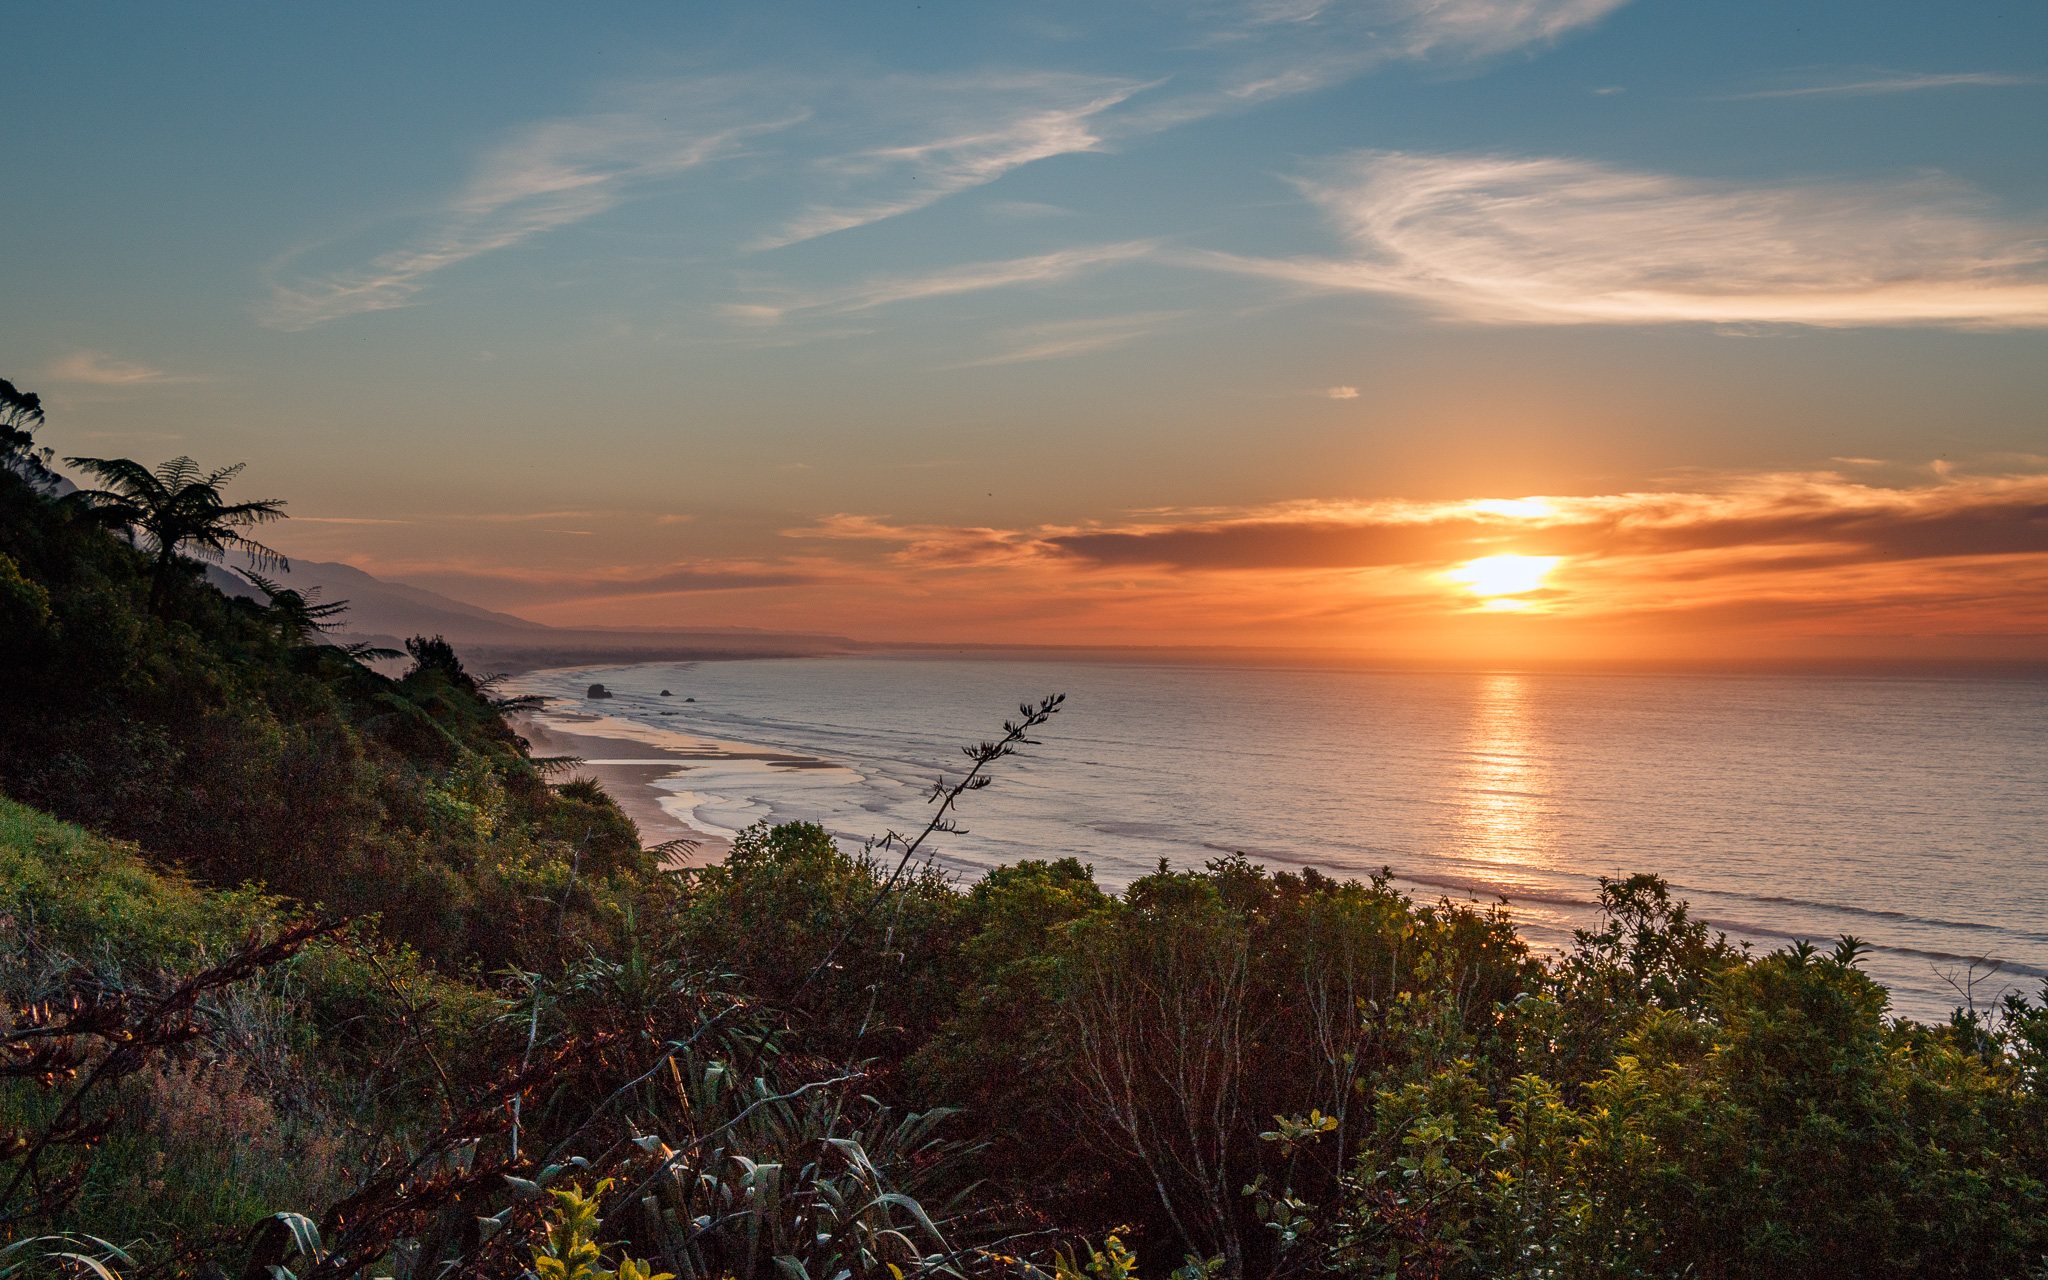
(1483, 329)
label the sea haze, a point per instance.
(1907, 811)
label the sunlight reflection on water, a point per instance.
(1502, 775)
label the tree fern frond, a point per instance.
(177, 510)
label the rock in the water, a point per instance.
(689, 699)
(666, 694)
(598, 691)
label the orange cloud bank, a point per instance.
(1755, 567)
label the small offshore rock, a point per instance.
(598, 691)
(666, 694)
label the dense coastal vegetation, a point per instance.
(310, 970)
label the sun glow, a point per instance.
(1503, 576)
(1521, 508)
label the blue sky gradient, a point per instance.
(512, 298)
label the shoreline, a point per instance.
(631, 769)
(631, 785)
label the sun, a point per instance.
(1500, 576)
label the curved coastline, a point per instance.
(632, 762)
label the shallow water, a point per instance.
(1907, 811)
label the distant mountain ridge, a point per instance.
(385, 613)
(379, 607)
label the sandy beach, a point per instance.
(629, 768)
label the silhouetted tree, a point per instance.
(299, 616)
(303, 620)
(173, 508)
(21, 412)
(437, 654)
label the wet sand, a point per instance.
(628, 769)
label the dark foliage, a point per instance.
(87, 1044)
(228, 738)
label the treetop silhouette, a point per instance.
(173, 508)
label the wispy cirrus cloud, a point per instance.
(545, 177)
(951, 134)
(855, 148)
(1057, 338)
(1879, 81)
(1237, 55)
(1280, 48)
(97, 368)
(882, 147)
(1547, 240)
(1468, 29)
(880, 291)
(513, 517)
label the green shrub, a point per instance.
(809, 929)
(69, 894)
(278, 1100)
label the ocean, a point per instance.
(1911, 812)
